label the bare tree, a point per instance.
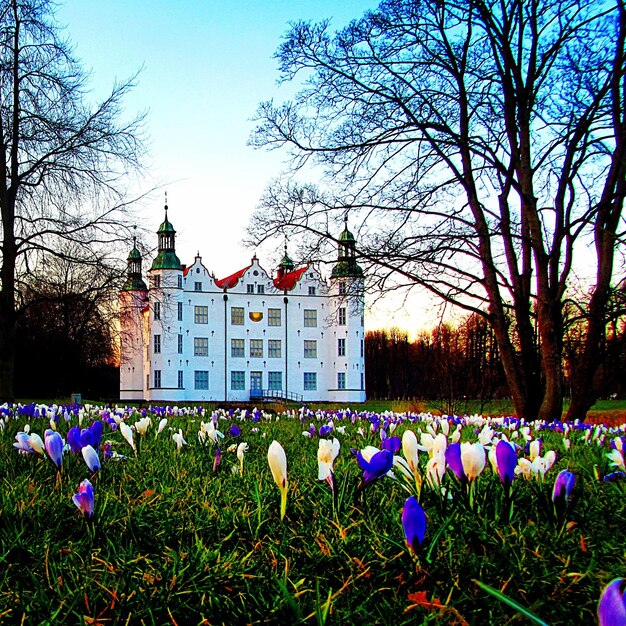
(64, 163)
(67, 325)
(481, 145)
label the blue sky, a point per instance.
(206, 66)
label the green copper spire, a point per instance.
(166, 258)
(134, 281)
(346, 266)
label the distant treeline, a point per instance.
(453, 362)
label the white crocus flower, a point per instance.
(435, 470)
(162, 425)
(277, 460)
(179, 439)
(242, 448)
(410, 450)
(141, 426)
(472, 459)
(127, 433)
(616, 459)
(326, 454)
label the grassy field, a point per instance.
(176, 539)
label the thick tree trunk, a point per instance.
(7, 309)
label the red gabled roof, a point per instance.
(231, 281)
(288, 281)
(186, 270)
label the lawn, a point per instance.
(178, 537)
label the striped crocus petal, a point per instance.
(413, 523)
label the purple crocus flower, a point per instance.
(507, 462)
(376, 467)
(54, 446)
(609, 478)
(453, 459)
(73, 439)
(234, 431)
(84, 499)
(96, 434)
(86, 438)
(562, 492)
(107, 451)
(612, 605)
(563, 486)
(326, 429)
(413, 523)
(22, 443)
(393, 444)
(218, 458)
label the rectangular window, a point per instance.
(180, 311)
(260, 288)
(341, 380)
(249, 288)
(342, 316)
(201, 379)
(180, 344)
(157, 344)
(157, 310)
(362, 381)
(310, 381)
(236, 316)
(237, 381)
(237, 348)
(274, 348)
(256, 348)
(341, 347)
(310, 349)
(273, 317)
(157, 379)
(311, 290)
(180, 281)
(275, 381)
(156, 281)
(362, 348)
(180, 379)
(197, 286)
(201, 314)
(201, 346)
(310, 318)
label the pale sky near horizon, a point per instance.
(205, 67)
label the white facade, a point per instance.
(190, 337)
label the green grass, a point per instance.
(174, 542)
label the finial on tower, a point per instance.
(166, 204)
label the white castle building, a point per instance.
(187, 336)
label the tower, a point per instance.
(164, 376)
(133, 326)
(347, 308)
